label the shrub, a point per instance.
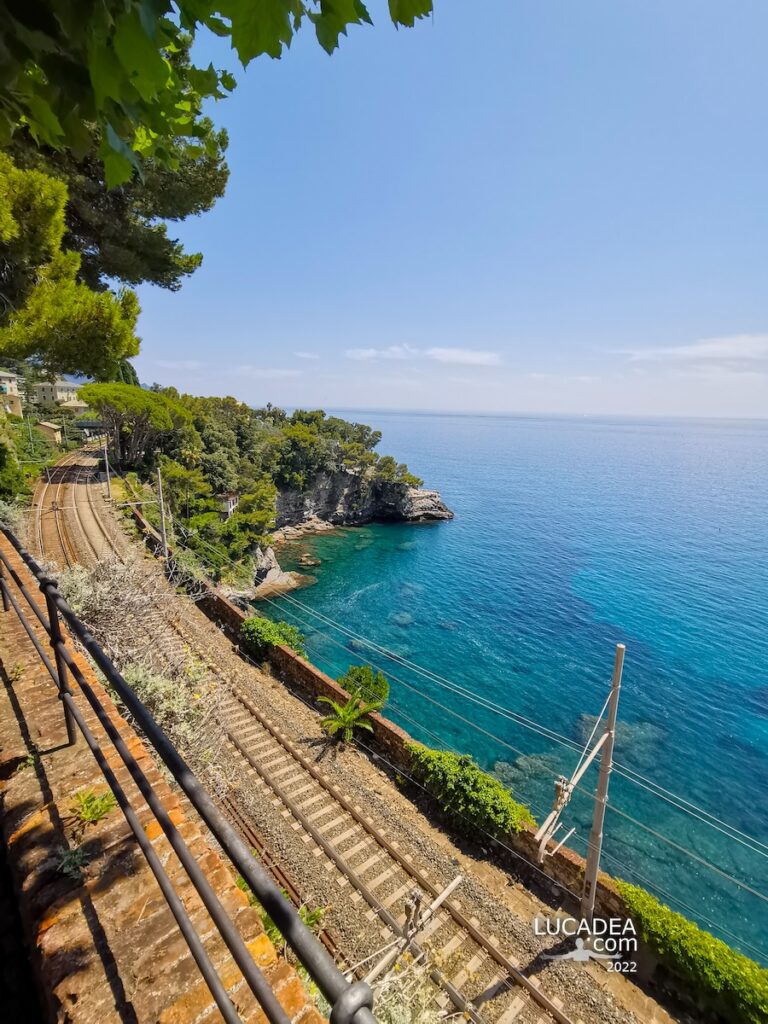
(181, 707)
(71, 862)
(258, 635)
(362, 681)
(720, 979)
(472, 799)
(11, 513)
(407, 995)
(341, 723)
(90, 808)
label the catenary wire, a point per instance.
(489, 705)
(749, 842)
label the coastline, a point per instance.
(286, 534)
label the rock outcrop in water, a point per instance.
(338, 499)
(352, 499)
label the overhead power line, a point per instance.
(441, 681)
(658, 835)
(628, 872)
(680, 803)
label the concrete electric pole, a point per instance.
(106, 464)
(162, 513)
(601, 796)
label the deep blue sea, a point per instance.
(573, 534)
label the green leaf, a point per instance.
(76, 133)
(44, 123)
(259, 26)
(204, 81)
(334, 17)
(139, 55)
(7, 126)
(405, 12)
(228, 80)
(217, 26)
(120, 161)
(105, 73)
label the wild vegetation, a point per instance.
(89, 807)
(209, 447)
(363, 681)
(726, 984)
(474, 801)
(258, 634)
(344, 720)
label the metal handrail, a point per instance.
(351, 1002)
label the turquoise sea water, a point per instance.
(572, 535)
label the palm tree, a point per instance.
(345, 718)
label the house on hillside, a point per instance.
(10, 396)
(52, 431)
(55, 392)
(228, 503)
(75, 405)
(9, 383)
(11, 404)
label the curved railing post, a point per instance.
(6, 605)
(50, 591)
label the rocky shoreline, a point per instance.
(343, 498)
(335, 500)
(338, 499)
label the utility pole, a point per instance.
(601, 796)
(162, 513)
(106, 464)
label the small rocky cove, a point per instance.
(336, 499)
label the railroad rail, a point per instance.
(351, 1002)
(471, 970)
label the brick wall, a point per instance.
(104, 944)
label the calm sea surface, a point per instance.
(572, 535)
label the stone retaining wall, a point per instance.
(104, 945)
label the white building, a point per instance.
(228, 503)
(55, 392)
(75, 405)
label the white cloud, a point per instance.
(262, 373)
(464, 356)
(306, 355)
(728, 350)
(454, 356)
(578, 378)
(178, 364)
(392, 352)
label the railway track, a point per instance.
(473, 973)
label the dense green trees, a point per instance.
(206, 447)
(138, 421)
(67, 64)
(726, 984)
(363, 681)
(45, 312)
(474, 801)
(258, 634)
(121, 233)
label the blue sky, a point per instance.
(518, 206)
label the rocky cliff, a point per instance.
(350, 499)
